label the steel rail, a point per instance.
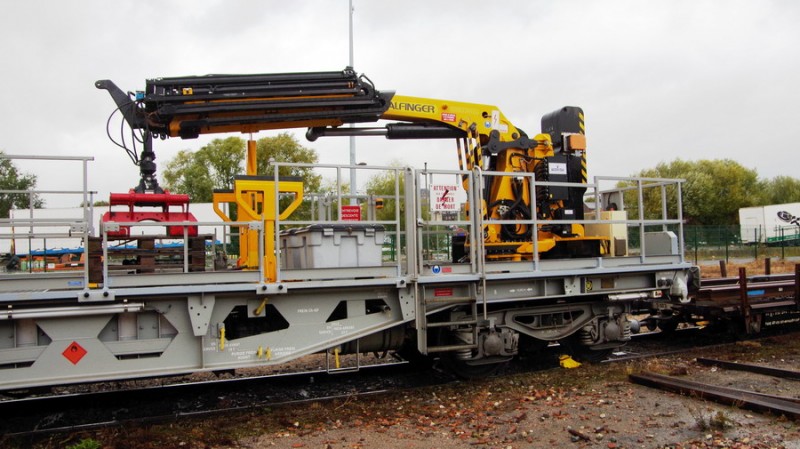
(731, 396)
(24, 407)
(188, 414)
(750, 368)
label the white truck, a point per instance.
(772, 225)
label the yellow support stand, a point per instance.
(255, 198)
(252, 161)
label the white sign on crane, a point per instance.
(446, 197)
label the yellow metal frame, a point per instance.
(255, 200)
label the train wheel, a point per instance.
(595, 355)
(532, 346)
(459, 364)
(533, 352)
(412, 356)
(584, 353)
(668, 326)
(756, 322)
(467, 370)
(739, 328)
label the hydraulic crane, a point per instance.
(187, 107)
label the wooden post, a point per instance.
(94, 258)
(197, 253)
(797, 285)
(767, 266)
(745, 300)
(723, 269)
(146, 254)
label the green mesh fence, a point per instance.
(728, 242)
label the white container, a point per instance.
(770, 224)
(332, 246)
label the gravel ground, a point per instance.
(531, 411)
(590, 407)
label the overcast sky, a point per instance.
(658, 80)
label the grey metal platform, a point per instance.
(58, 328)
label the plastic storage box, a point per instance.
(332, 246)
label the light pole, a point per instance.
(353, 200)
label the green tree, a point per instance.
(216, 165)
(12, 179)
(779, 190)
(212, 167)
(712, 194)
(224, 159)
(383, 185)
(285, 148)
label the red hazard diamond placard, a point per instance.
(74, 353)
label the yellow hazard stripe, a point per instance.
(584, 173)
(460, 157)
(468, 155)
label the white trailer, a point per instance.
(771, 225)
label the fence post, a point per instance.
(755, 247)
(783, 244)
(727, 243)
(695, 244)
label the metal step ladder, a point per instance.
(423, 325)
(337, 368)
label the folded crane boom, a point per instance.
(190, 106)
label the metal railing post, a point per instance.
(186, 249)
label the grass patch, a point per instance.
(87, 443)
(716, 421)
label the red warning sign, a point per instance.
(442, 292)
(74, 353)
(351, 213)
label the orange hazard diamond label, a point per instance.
(74, 353)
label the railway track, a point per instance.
(32, 417)
(42, 415)
(780, 405)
